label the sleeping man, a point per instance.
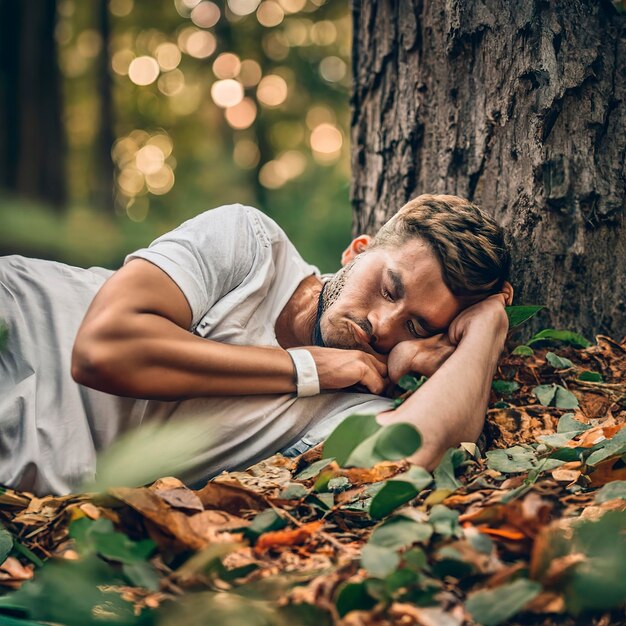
(223, 321)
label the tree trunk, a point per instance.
(31, 129)
(518, 106)
(103, 184)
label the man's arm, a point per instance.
(450, 407)
(135, 342)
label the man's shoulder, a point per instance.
(232, 218)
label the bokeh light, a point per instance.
(270, 14)
(250, 73)
(168, 56)
(326, 141)
(143, 70)
(227, 93)
(227, 65)
(197, 43)
(121, 60)
(121, 8)
(205, 14)
(171, 83)
(332, 69)
(272, 90)
(241, 115)
(292, 6)
(246, 154)
(243, 7)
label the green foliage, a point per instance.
(558, 362)
(523, 350)
(519, 314)
(610, 491)
(314, 469)
(398, 491)
(359, 441)
(555, 395)
(494, 606)
(444, 473)
(6, 544)
(504, 387)
(150, 452)
(550, 335)
(411, 383)
(592, 377)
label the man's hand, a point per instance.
(489, 311)
(339, 369)
(423, 356)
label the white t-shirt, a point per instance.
(237, 270)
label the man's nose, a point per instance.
(385, 322)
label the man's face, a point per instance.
(390, 294)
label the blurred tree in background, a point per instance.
(167, 108)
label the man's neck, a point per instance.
(296, 322)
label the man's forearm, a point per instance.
(450, 407)
(152, 358)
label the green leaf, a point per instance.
(348, 435)
(504, 387)
(519, 314)
(444, 474)
(399, 532)
(558, 362)
(555, 395)
(142, 574)
(378, 560)
(293, 491)
(353, 597)
(398, 490)
(314, 469)
(494, 606)
(615, 446)
(566, 336)
(409, 382)
(359, 441)
(523, 350)
(567, 423)
(264, 522)
(512, 460)
(6, 544)
(611, 491)
(397, 441)
(445, 521)
(592, 377)
(144, 454)
(338, 484)
(598, 581)
(545, 393)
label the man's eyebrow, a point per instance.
(400, 292)
(398, 285)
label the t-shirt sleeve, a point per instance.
(208, 255)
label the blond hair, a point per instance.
(471, 248)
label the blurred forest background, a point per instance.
(120, 119)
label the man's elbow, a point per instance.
(88, 364)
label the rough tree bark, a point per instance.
(519, 106)
(31, 129)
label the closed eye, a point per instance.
(414, 332)
(387, 295)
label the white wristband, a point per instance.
(307, 381)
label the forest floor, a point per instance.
(527, 527)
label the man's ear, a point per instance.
(507, 289)
(357, 245)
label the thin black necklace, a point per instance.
(317, 331)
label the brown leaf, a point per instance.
(180, 498)
(294, 536)
(607, 471)
(591, 437)
(230, 497)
